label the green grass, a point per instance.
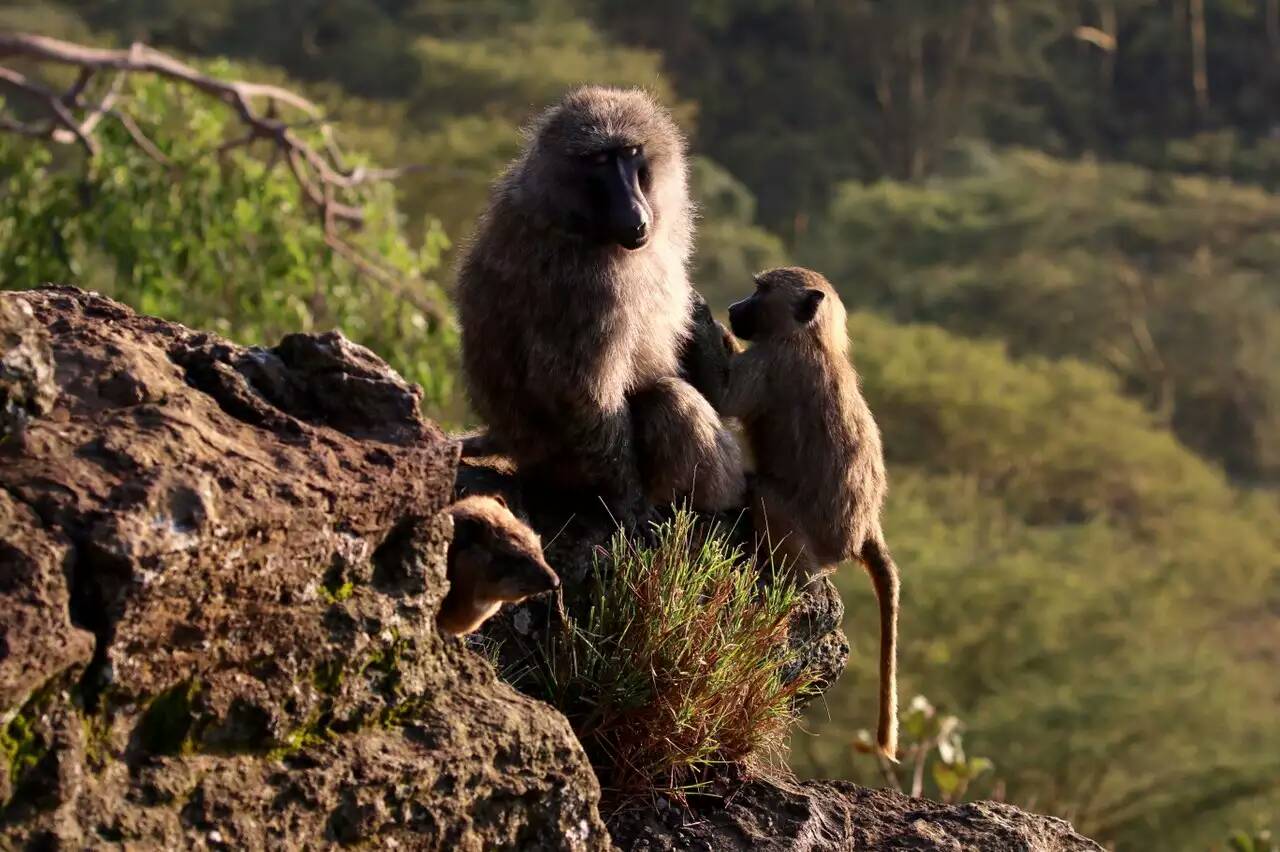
(675, 665)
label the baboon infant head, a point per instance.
(606, 159)
(501, 555)
(787, 302)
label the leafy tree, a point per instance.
(225, 242)
(797, 97)
(1166, 280)
(730, 247)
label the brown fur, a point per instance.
(688, 452)
(494, 558)
(820, 476)
(559, 332)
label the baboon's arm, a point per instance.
(746, 386)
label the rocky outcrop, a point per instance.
(816, 816)
(219, 569)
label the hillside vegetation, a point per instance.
(1055, 224)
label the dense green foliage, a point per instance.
(227, 243)
(1084, 463)
(868, 89)
(1167, 280)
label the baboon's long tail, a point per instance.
(884, 578)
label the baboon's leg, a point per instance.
(781, 545)
(684, 450)
(589, 452)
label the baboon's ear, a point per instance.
(500, 500)
(807, 307)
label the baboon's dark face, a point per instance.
(608, 165)
(742, 318)
(783, 303)
(518, 575)
(608, 188)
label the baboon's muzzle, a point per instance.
(630, 219)
(742, 318)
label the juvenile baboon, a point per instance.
(820, 478)
(574, 303)
(493, 559)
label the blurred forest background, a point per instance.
(1056, 222)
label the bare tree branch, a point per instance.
(103, 108)
(140, 58)
(139, 138)
(319, 172)
(63, 127)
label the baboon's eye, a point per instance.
(599, 158)
(630, 152)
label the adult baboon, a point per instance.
(575, 303)
(820, 479)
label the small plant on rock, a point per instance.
(1252, 841)
(927, 732)
(678, 663)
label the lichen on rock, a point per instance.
(26, 369)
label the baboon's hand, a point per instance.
(731, 345)
(705, 360)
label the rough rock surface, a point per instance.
(26, 370)
(817, 816)
(219, 569)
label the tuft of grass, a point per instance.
(678, 666)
